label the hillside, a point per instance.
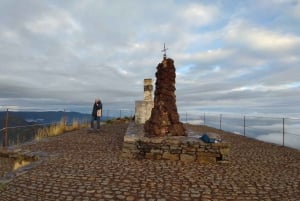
(26, 120)
(23, 118)
(14, 120)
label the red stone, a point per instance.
(164, 119)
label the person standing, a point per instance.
(96, 113)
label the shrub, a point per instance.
(59, 128)
(119, 120)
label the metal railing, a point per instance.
(282, 131)
(116, 113)
(13, 133)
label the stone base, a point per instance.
(176, 148)
(142, 111)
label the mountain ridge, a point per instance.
(20, 118)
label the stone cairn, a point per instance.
(164, 119)
(164, 137)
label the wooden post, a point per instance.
(185, 117)
(283, 132)
(244, 126)
(64, 117)
(220, 121)
(5, 140)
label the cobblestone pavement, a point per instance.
(86, 166)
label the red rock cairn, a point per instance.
(164, 119)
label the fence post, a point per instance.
(120, 113)
(282, 131)
(244, 125)
(5, 140)
(65, 117)
(185, 117)
(204, 119)
(220, 121)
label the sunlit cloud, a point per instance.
(264, 88)
(228, 56)
(258, 38)
(198, 15)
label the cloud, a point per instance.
(53, 23)
(200, 14)
(290, 141)
(228, 56)
(272, 128)
(259, 39)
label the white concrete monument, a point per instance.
(143, 108)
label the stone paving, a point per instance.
(85, 166)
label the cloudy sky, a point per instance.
(230, 56)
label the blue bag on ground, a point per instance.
(207, 139)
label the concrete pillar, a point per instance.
(143, 108)
(148, 88)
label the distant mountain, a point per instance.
(13, 120)
(26, 118)
(24, 125)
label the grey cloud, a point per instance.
(68, 53)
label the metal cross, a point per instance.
(165, 51)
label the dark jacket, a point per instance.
(97, 106)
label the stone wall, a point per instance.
(176, 148)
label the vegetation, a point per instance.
(59, 128)
(28, 132)
(119, 120)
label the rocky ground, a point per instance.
(82, 165)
